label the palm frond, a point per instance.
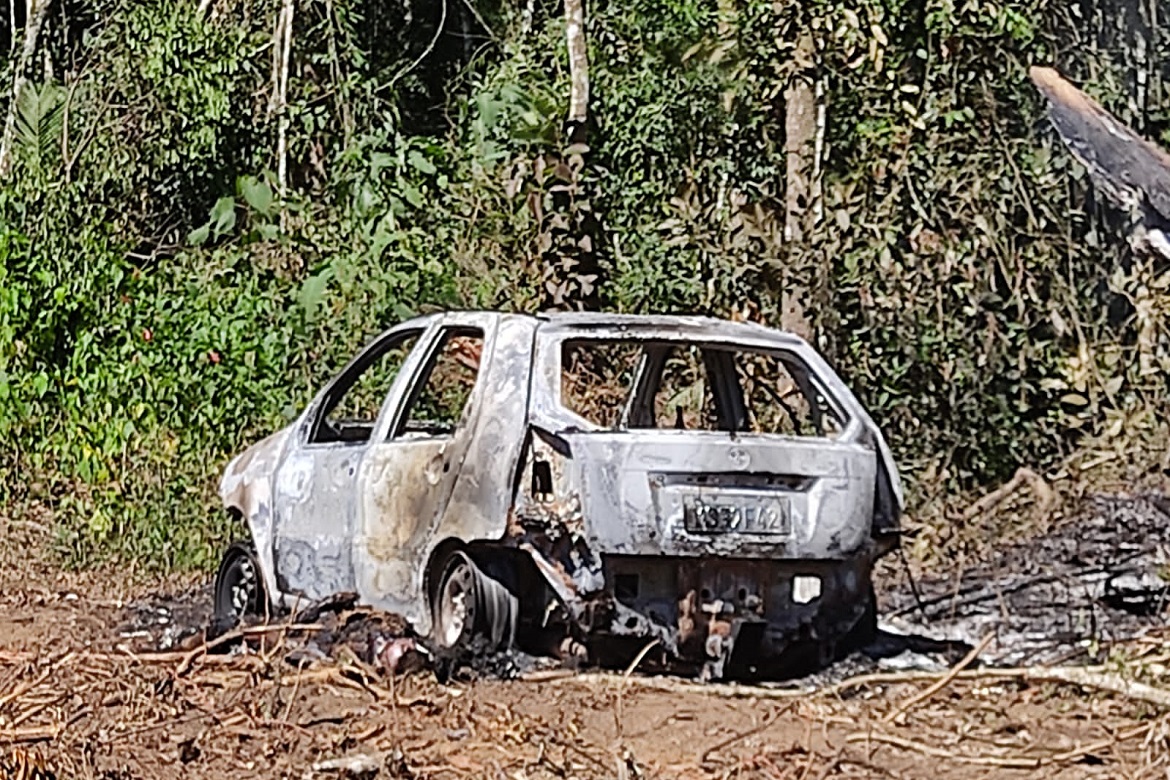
(39, 123)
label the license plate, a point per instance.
(740, 515)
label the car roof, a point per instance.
(689, 325)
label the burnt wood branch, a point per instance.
(1130, 171)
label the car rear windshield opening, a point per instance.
(688, 386)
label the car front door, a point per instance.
(407, 477)
(316, 499)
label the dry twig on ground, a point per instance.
(941, 683)
(1093, 677)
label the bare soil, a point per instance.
(103, 675)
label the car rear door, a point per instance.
(667, 492)
(407, 477)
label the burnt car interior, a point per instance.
(621, 384)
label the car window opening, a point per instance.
(351, 409)
(674, 385)
(439, 404)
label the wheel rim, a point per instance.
(456, 603)
(238, 589)
(243, 587)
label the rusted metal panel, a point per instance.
(706, 602)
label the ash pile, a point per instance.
(333, 631)
(1066, 596)
(166, 622)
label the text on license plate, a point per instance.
(741, 515)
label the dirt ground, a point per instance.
(76, 695)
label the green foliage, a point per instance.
(164, 301)
(38, 122)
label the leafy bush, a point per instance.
(163, 301)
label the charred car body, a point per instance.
(606, 480)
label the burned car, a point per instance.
(588, 481)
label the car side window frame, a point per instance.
(393, 431)
(343, 382)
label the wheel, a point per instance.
(239, 589)
(473, 611)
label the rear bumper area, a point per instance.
(730, 617)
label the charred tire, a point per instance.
(239, 587)
(864, 631)
(472, 612)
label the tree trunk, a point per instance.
(32, 30)
(569, 231)
(802, 191)
(578, 67)
(284, 53)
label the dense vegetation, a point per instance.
(189, 248)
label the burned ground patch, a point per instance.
(1098, 579)
(1066, 596)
